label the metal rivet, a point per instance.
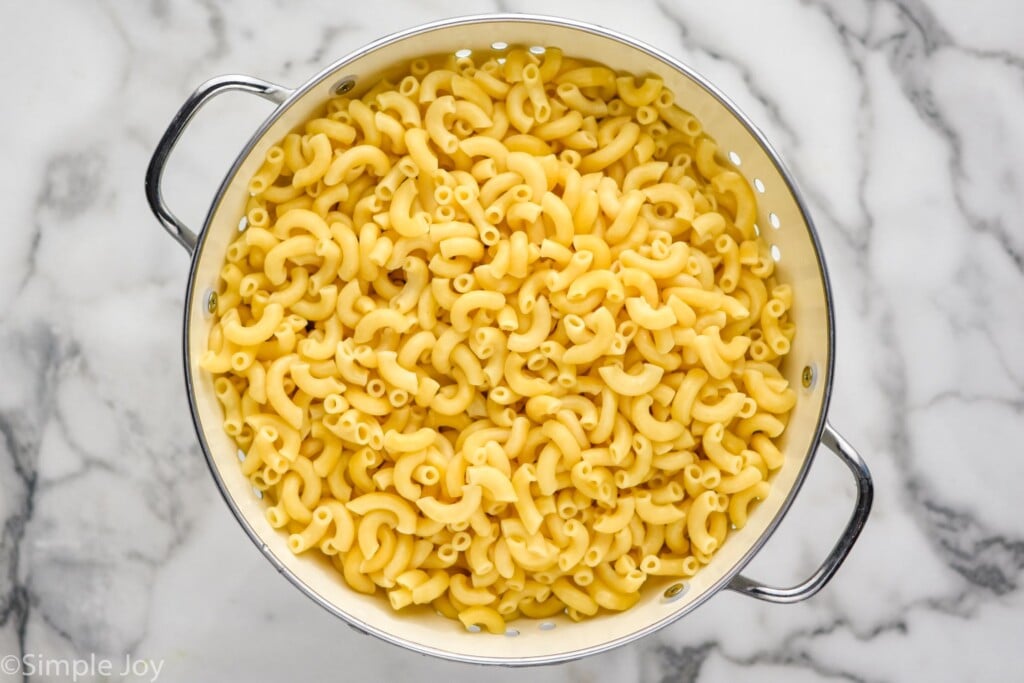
(774, 220)
(241, 454)
(735, 158)
(511, 632)
(499, 45)
(674, 592)
(243, 224)
(758, 185)
(345, 85)
(776, 252)
(537, 49)
(463, 53)
(547, 625)
(211, 303)
(807, 376)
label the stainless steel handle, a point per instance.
(203, 94)
(865, 493)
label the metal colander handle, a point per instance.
(184, 235)
(865, 494)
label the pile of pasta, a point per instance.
(502, 338)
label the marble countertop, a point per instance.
(901, 119)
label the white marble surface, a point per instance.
(901, 119)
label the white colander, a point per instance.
(783, 220)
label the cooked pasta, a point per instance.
(503, 339)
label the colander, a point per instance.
(783, 220)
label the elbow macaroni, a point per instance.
(503, 339)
